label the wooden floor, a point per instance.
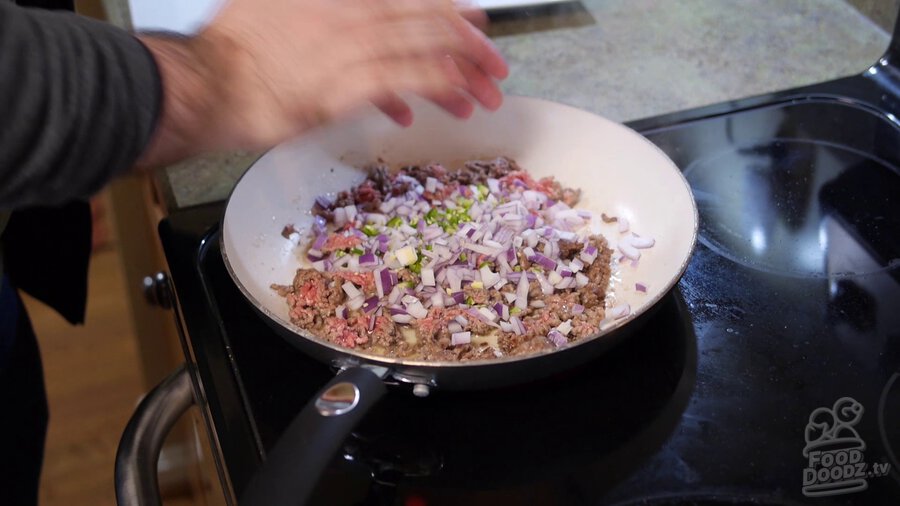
(93, 383)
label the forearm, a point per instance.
(190, 118)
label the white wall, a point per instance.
(184, 16)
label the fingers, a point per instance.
(395, 108)
(380, 81)
(479, 85)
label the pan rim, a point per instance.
(394, 362)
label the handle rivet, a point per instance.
(420, 390)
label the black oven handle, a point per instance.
(137, 483)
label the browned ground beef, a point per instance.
(314, 296)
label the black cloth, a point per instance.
(23, 424)
(46, 251)
(79, 100)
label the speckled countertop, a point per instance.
(629, 59)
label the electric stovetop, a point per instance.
(771, 375)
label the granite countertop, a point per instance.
(630, 59)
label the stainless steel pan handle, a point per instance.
(137, 483)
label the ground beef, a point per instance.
(313, 296)
(569, 249)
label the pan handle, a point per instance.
(294, 465)
(137, 483)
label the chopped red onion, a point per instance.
(620, 311)
(543, 261)
(355, 303)
(555, 337)
(640, 287)
(577, 309)
(324, 201)
(402, 318)
(537, 303)
(367, 258)
(454, 327)
(460, 319)
(642, 242)
(487, 315)
(351, 290)
(417, 310)
(319, 243)
(522, 293)
(581, 280)
(458, 338)
(371, 326)
(518, 326)
(341, 312)
(623, 225)
(370, 304)
(428, 276)
(629, 251)
(546, 287)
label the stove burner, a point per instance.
(604, 418)
(888, 419)
(779, 206)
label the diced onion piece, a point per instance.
(555, 337)
(401, 318)
(431, 184)
(577, 309)
(417, 310)
(462, 320)
(406, 255)
(565, 327)
(522, 293)
(642, 242)
(538, 303)
(623, 225)
(379, 282)
(370, 304)
(629, 251)
(437, 300)
(458, 338)
(488, 277)
(427, 276)
(355, 303)
(518, 326)
(620, 311)
(510, 297)
(581, 280)
(546, 287)
(351, 212)
(351, 290)
(341, 312)
(588, 255)
(554, 277)
(488, 314)
(454, 327)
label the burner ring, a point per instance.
(793, 207)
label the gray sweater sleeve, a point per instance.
(79, 100)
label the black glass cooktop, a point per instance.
(771, 375)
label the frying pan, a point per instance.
(619, 172)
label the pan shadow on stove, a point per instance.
(565, 440)
(540, 18)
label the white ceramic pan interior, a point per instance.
(619, 172)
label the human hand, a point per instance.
(262, 72)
